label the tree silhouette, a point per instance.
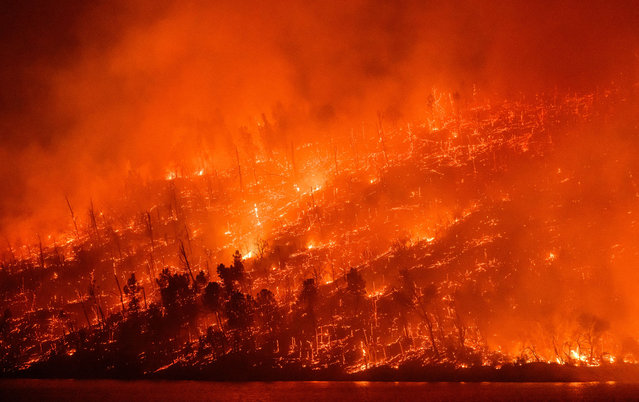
(132, 289)
(213, 299)
(355, 283)
(232, 277)
(177, 297)
(226, 275)
(201, 280)
(356, 287)
(239, 311)
(213, 342)
(307, 318)
(268, 316)
(308, 296)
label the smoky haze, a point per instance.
(93, 93)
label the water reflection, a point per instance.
(105, 390)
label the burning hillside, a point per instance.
(201, 191)
(483, 235)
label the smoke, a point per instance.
(94, 92)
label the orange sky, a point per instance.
(93, 91)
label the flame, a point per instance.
(171, 176)
(257, 216)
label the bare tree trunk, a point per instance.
(119, 289)
(239, 168)
(94, 223)
(41, 252)
(186, 260)
(75, 224)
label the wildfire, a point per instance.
(407, 256)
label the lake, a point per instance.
(107, 390)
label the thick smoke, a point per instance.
(94, 92)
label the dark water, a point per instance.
(106, 390)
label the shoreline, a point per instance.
(526, 373)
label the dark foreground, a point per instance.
(240, 370)
(104, 390)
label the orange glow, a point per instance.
(352, 185)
